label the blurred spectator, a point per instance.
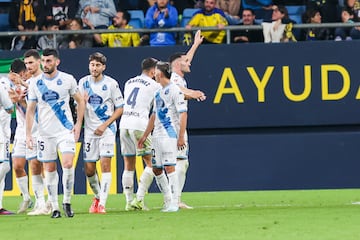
(231, 9)
(280, 27)
(143, 5)
(354, 5)
(26, 41)
(209, 16)
(120, 21)
(329, 9)
(180, 5)
(347, 33)
(312, 34)
(262, 8)
(161, 15)
(77, 40)
(61, 11)
(27, 10)
(98, 13)
(246, 35)
(48, 41)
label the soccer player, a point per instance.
(32, 62)
(17, 75)
(104, 104)
(139, 96)
(180, 65)
(6, 107)
(51, 94)
(168, 123)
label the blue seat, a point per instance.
(187, 15)
(4, 22)
(296, 12)
(137, 18)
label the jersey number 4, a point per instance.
(132, 97)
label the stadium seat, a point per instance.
(296, 12)
(137, 18)
(187, 15)
(4, 22)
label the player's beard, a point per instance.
(49, 70)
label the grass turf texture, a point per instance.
(308, 214)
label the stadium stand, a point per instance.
(4, 22)
(295, 12)
(187, 15)
(137, 18)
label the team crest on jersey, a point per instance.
(95, 99)
(104, 88)
(50, 96)
(86, 84)
(59, 82)
(166, 92)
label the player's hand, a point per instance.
(199, 95)
(198, 39)
(100, 130)
(76, 130)
(29, 143)
(141, 142)
(181, 143)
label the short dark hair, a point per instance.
(17, 66)
(176, 56)
(99, 57)
(126, 15)
(32, 53)
(29, 25)
(51, 52)
(50, 23)
(165, 68)
(148, 63)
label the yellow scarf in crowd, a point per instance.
(28, 11)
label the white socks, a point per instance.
(23, 184)
(105, 187)
(146, 179)
(4, 168)
(68, 183)
(128, 184)
(38, 188)
(95, 185)
(52, 181)
(163, 184)
(181, 169)
(174, 187)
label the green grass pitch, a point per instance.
(279, 215)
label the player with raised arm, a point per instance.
(168, 123)
(104, 104)
(180, 65)
(6, 108)
(51, 94)
(139, 96)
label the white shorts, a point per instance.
(4, 150)
(129, 139)
(21, 151)
(165, 152)
(47, 147)
(95, 148)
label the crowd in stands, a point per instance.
(277, 24)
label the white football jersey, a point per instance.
(169, 103)
(139, 97)
(52, 96)
(104, 97)
(5, 104)
(34, 130)
(178, 80)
